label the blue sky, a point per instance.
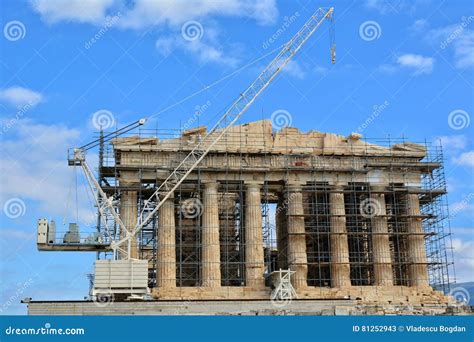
(404, 69)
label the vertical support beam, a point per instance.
(166, 245)
(418, 271)
(228, 232)
(211, 256)
(254, 258)
(282, 233)
(297, 258)
(340, 267)
(129, 216)
(380, 241)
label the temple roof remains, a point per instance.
(259, 137)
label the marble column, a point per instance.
(166, 245)
(129, 216)
(418, 271)
(380, 240)
(340, 267)
(254, 256)
(282, 233)
(297, 258)
(210, 258)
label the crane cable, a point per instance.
(212, 84)
(77, 196)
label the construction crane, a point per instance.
(121, 246)
(47, 230)
(233, 113)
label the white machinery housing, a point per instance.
(120, 276)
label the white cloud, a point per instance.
(457, 38)
(454, 37)
(458, 207)
(168, 14)
(294, 69)
(15, 234)
(166, 45)
(464, 259)
(84, 11)
(206, 49)
(466, 232)
(453, 142)
(206, 52)
(146, 13)
(464, 50)
(141, 14)
(418, 63)
(419, 25)
(388, 68)
(397, 7)
(464, 206)
(19, 96)
(320, 70)
(33, 166)
(465, 159)
(379, 5)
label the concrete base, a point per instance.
(367, 294)
(253, 308)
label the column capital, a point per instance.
(129, 178)
(211, 185)
(294, 186)
(129, 185)
(378, 187)
(253, 185)
(338, 185)
(163, 193)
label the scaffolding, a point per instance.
(242, 153)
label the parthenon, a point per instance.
(349, 217)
